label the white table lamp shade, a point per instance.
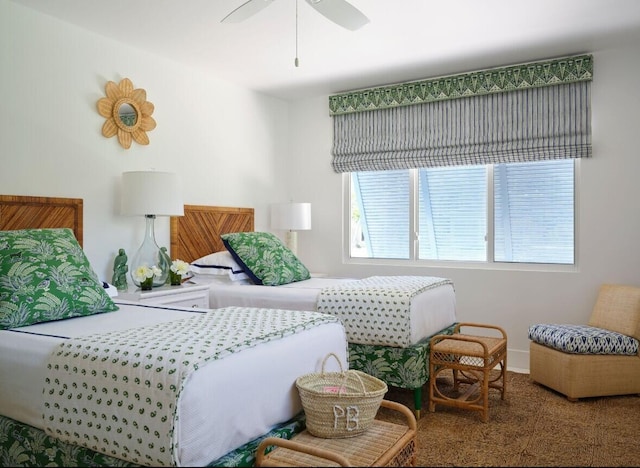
(291, 216)
(151, 193)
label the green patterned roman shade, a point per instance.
(530, 112)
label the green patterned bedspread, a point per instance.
(377, 310)
(117, 393)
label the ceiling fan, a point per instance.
(340, 12)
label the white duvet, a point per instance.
(228, 403)
(430, 311)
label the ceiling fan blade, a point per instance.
(245, 11)
(340, 12)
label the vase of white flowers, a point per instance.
(146, 284)
(144, 276)
(178, 269)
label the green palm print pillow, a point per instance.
(44, 276)
(265, 259)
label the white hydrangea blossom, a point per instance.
(180, 267)
(144, 272)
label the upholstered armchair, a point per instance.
(597, 359)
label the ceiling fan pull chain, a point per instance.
(341, 12)
(296, 62)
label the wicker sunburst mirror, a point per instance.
(128, 113)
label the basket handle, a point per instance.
(364, 389)
(342, 389)
(324, 361)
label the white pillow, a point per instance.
(218, 280)
(218, 263)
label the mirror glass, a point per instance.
(127, 114)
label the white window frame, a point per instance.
(484, 265)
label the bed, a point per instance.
(202, 238)
(118, 383)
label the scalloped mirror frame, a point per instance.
(121, 94)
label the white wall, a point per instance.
(228, 144)
(608, 215)
(234, 147)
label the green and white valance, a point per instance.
(495, 80)
(536, 111)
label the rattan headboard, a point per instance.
(24, 212)
(197, 233)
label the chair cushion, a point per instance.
(583, 339)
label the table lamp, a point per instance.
(291, 217)
(151, 194)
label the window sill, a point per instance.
(498, 266)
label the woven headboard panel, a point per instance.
(197, 233)
(24, 212)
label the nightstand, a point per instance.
(185, 295)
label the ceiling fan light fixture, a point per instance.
(340, 12)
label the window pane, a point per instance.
(452, 213)
(534, 212)
(380, 214)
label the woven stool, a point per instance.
(383, 444)
(472, 359)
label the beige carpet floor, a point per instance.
(534, 426)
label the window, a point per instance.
(477, 167)
(513, 212)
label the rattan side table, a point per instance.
(472, 359)
(383, 444)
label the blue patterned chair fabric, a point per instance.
(596, 359)
(583, 339)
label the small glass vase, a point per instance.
(174, 278)
(147, 284)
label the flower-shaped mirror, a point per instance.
(128, 113)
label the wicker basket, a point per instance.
(340, 404)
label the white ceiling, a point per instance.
(405, 39)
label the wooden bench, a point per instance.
(383, 444)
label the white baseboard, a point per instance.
(518, 361)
